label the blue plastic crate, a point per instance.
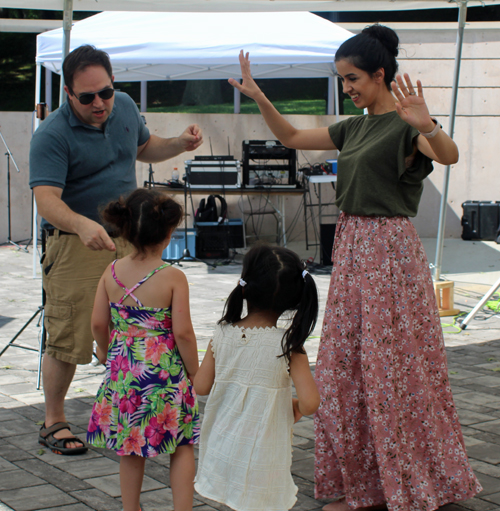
(177, 244)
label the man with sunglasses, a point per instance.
(81, 157)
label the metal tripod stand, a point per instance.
(186, 253)
(42, 342)
(9, 236)
(43, 334)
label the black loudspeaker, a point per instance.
(326, 237)
(213, 240)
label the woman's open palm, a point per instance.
(248, 85)
(411, 105)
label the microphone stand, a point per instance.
(9, 237)
(186, 253)
(151, 181)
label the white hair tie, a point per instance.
(304, 273)
(242, 283)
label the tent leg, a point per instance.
(237, 100)
(67, 22)
(144, 96)
(330, 96)
(36, 123)
(337, 95)
(48, 89)
(462, 17)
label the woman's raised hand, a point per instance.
(411, 105)
(248, 85)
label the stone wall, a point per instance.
(427, 53)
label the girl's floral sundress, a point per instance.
(146, 405)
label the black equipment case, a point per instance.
(268, 162)
(480, 220)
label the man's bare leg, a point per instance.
(57, 377)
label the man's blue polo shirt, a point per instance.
(91, 165)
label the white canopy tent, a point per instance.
(281, 5)
(236, 5)
(197, 46)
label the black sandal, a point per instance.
(58, 445)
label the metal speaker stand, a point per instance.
(43, 334)
(9, 236)
(186, 253)
(151, 181)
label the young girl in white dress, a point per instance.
(246, 436)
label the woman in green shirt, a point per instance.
(387, 432)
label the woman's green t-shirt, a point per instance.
(377, 174)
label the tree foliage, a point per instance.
(18, 52)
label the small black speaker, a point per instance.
(326, 237)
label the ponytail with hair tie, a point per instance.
(304, 320)
(275, 279)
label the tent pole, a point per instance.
(38, 84)
(337, 102)
(330, 96)
(462, 17)
(35, 123)
(144, 96)
(48, 89)
(67, 22)
(237, 100)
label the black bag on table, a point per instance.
(208, 212)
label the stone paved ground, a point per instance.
(33, 478)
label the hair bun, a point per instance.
(120, 213)
(385, 35)
(117, 215)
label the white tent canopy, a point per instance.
(239, 5)
(146, 46)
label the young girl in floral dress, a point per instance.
(146, 404)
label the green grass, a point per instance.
(300, 107)
(305, 107)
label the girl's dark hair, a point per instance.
(274, 282)
(375, 47)
(145, 217)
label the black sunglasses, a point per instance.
(88, 97)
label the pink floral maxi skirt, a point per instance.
(386, 429)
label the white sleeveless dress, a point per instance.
(246, 435)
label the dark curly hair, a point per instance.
(145, 217)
